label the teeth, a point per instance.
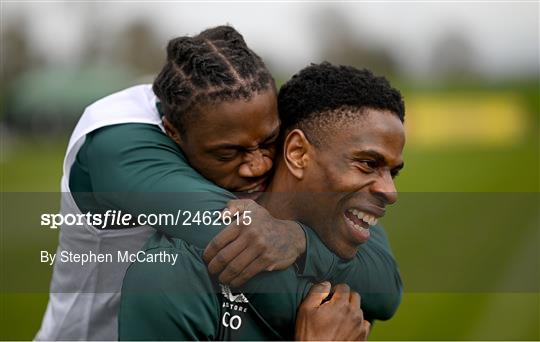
(259, 187)
(357, 227)
(371, 220)
(357, 213)
(367, 218)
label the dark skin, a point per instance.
(355, 168)
(317, 316)
(234, 147)
(233, 144)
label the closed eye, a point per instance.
(367, 166)
(395, 171)
(226, 156)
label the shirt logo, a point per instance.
(226, 292)
(228, 319)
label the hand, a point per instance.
(239, 252)
(336, 319)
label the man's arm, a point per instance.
(136, 168)
(177, 302)
(161, 301)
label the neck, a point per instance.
(280, 199)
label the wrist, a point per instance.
(299, 237)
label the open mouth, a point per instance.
(361, 218)
(253, 192)
(359, 223)
(259, 188)
(256, 188)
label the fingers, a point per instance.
(239, 264)
(362, 329)
(229, 234)
(256, 267)
(317, 294)
(354, 299)
(341, 294)
(366, 326)
(225, 255)
(220, 241)
(365, 330)
(238, 205)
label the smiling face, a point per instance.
(232, 143)
(349, 178)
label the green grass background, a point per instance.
(32, 165)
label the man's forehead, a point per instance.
(380, 135)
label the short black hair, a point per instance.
(329, 93)
(214, 66)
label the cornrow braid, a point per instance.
(214, 66)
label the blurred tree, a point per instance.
(342, 44)
(139, 47)
(18, 55)
(453, 57)
(135, 47)
(94, 49)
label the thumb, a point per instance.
(317, 294)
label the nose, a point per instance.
(256, 164)
(385, 189)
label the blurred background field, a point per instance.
(469, 75)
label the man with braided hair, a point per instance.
(342, 140)
(202, 135)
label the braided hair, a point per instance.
(214, 66)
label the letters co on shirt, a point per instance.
(232, 308)
(239, 320)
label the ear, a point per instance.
(171, 131)
(295, 149)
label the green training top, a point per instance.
(138, 169)
(161, 301)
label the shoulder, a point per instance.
(134, 135)
(168, 264)
(168, 299)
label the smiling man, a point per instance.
(203, 132)
(342, 140)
